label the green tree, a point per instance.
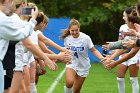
(100, 19)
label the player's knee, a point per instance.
(69, 85)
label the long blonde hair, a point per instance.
(66, 32)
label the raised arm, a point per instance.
(36, 51)
(129, 55)
(10, 31)
(49, 42)
(96, 53)
(44, 48)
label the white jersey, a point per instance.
(34, 37)
(125, 28)
(79, 49)
(29, 57)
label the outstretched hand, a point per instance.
(108, 64)
(65, 57)
(106, 46)
(111, 64)
(51, 65)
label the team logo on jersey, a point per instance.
(74, 48)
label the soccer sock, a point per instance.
(33, 88)
(121, 85)
(67, 90)
(135, 84)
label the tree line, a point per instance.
(100, 19)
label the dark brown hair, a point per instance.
(39, 18)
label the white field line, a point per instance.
(53, 85)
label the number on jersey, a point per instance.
(76, 54)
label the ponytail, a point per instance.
(65, 33)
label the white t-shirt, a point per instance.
(79, 49)
(10, 31)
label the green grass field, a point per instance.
(99, 80)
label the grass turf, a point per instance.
(99, 80)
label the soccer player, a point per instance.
(78, 44)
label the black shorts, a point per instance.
(8, 78)
(7, 82)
